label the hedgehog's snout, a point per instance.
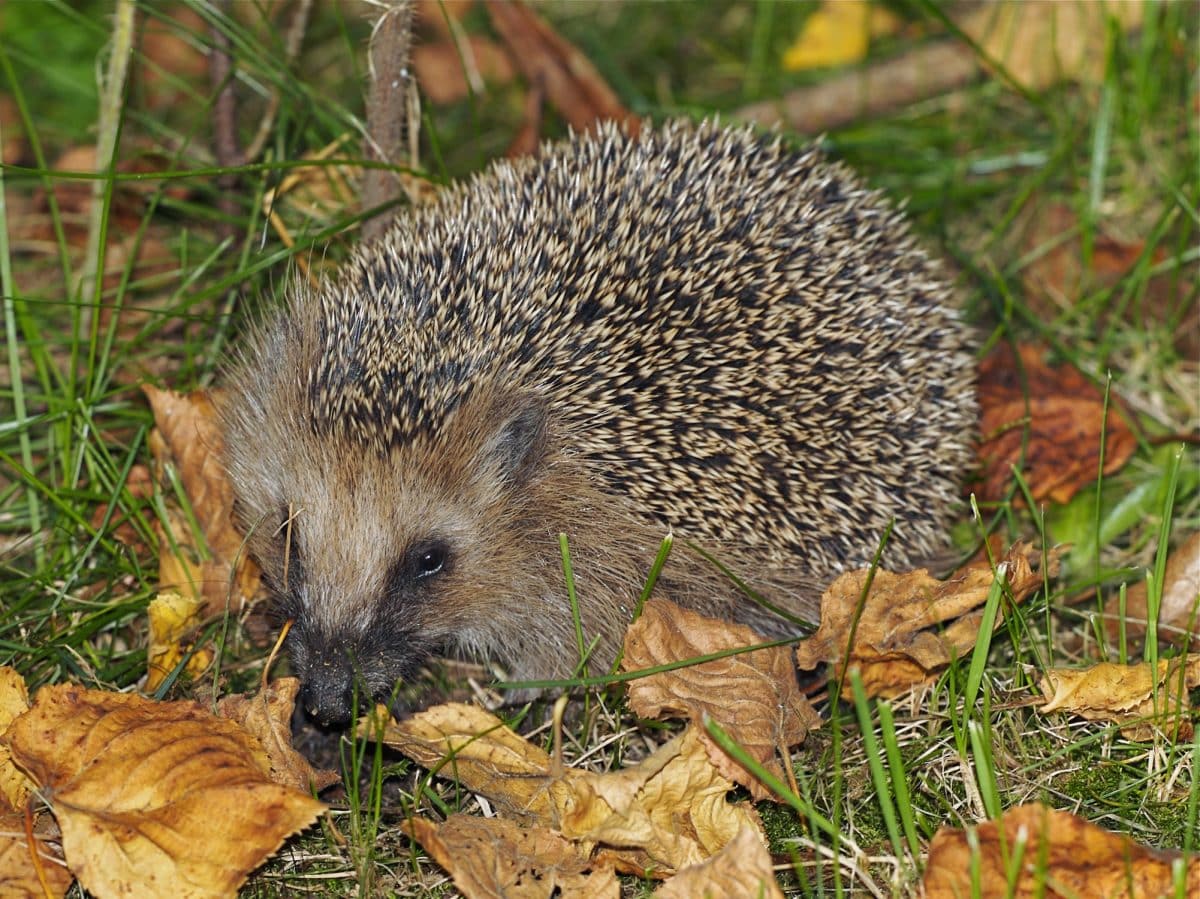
(327, 695)
(333, 682)
(349, 670)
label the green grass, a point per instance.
(978, 170)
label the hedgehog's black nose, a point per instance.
(328, 696)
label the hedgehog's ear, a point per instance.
(518, 443)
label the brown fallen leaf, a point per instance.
(154, 798)
(754, 696)
(14, 702)
(1144, 701)
(172, 618)
(187, 435)
(1179, 613)
(18, 874)
(666, 812)
(495, 857)
(1063, 413)
(571, 82)
(1062, 857)
(268, 717)
(449, 71)
(742, 869)
(913, 625)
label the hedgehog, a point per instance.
(695, 330)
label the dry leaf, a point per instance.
(173, 617)
(1064, 413)
(14, 701)
(1179, 613)
(742, 869)
(1126, 694)
(836, 34)
(496, 858)
(465, 743)
(1041, 42)
(571, 82)
(18, 876)
(187, 434)
(268, 717)
(667, 812)
(753, 696)
(448, 72)
(154, 798)
(913, 625)
(1062, 857)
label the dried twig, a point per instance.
(879, 88)
(391, 112)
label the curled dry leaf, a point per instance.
(1179, 613)
(1063, 413)
(1137, 697)
(14, 701)
(1061, 856)
(666, 812)
(154, 798)
(913, 625)
(187, 434)
(268, 717)
(753, 696)
(18, 875)
(741, 869)
(173, 617)
(679, 816)
(496, 857)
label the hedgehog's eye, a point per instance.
(429, 558)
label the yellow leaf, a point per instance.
(836, 34)
(1133, 696)
(172, 617)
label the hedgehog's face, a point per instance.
(380, 559)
